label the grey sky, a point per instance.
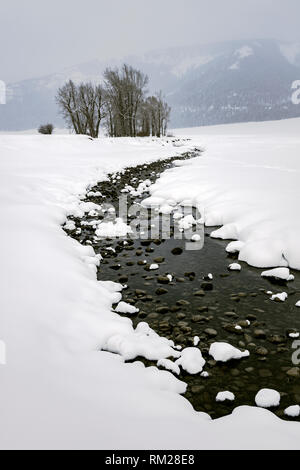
(39, 37)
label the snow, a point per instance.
(205, 375)
(189, 63)
(142, 342)
(62, 388)
(224, 352)
(113, 229)
(279, 273)
(290, 51)
(242, 53)
(153, 267)
(224, 396)
(234, 247)
(298, 304)
(123, 307)
(166, 209)
(169, 365)
(70, 226)
(235, 267)
(280, 297)
(165, 381)
(267, 398)
(292, 411)
(236, 179)
(187, 222)
(191, 361)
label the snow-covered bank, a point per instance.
(57, 390)
(248, 182)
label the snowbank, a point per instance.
(248, 182)
(58, 390)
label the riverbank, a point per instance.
(200, 299)
(58, 390)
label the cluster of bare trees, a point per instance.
(154, 116)
(120, 104)
(82, 107)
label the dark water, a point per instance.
(235, 297)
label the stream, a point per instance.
(231, 307)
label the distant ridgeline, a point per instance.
(204, 85)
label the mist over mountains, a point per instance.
(234, 81)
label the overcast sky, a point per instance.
(39, 37)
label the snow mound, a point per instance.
(154, 267)
(223, 352)
(169, 365)
(234, 247)
(279, 273)
(191, 361)
(267, 398)
(143, 342)
(280, 297)
(123, 307)
(113, 229)
(187, 222)
(224, 396)
(292, 411)
(225, 232)
(235, 267)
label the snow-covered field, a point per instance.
(248, 182)
(57, 390)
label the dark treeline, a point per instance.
(121, 104)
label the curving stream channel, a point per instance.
(232, 307)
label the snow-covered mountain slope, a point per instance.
(228, 82)
(57, 389)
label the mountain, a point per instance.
(234, 81)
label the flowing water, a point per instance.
(194, 305)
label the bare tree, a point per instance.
(82, 107)
(91, 107)
(125, 91)
(67, 99)
(155, 116)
